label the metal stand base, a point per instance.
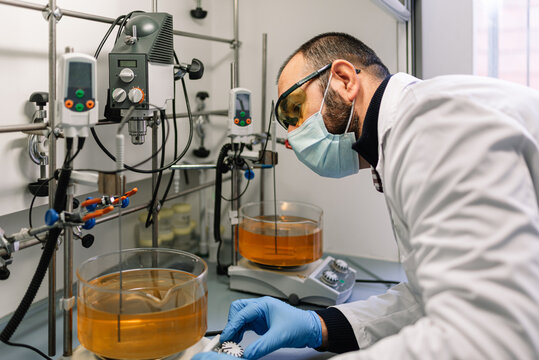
(83, 354)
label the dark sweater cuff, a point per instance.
(341, 336)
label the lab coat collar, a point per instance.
(388, 110)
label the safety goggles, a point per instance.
(289, 106)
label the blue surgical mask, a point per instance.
(324, 153)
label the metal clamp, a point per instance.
(233, 215)
(66, 304)
(235, 44)
(57, 13)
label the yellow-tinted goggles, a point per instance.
(289, 107)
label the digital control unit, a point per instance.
(239, 112)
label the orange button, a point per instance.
(248, 121)
(68, 104)
(236, 121)
(90, 104)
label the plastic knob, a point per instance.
(330, 278)
(125, 203)
(340, 265)
(127, 75)
(87, 240)
(136, 95)
(249, 174)
(119, 95)
(232, 349)
(89, 224)
(51, 217)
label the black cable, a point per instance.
(28, 347)
(41, 270)
(80, 145)
(126, 167)
(241, 194)
(46, 181)
(107, 34)
(149, 218)
(220, 169)
(166, 167)
(378, 281)
(171, 180)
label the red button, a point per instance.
(90, 104)
(236, 121)
(68, 104)
(248, 121)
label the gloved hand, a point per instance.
(212, 355)
(280, 325)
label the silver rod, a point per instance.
(52, 169)
(193, 166)
(25, 127)
(23, 244)
(145, 206)
(155, 222)
(528, 37)
(200, 113)
(263, 102)
(68, 274)
(236, 44)
(154, 5)
(107, 20)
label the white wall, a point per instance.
(447, 41)
(356, 221)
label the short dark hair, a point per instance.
(325, 48)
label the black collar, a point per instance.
(367, 144)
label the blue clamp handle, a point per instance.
(249, 174)
(125, 203)
(91, 208)
(51, 217)
(89, 224)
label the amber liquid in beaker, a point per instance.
(298, 240)
(150, 327)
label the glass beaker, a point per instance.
(159, 310)
(292, 238)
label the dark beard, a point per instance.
(336, 112)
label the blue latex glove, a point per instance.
(212, 355)
(280, 325)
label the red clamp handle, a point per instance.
(97, 213)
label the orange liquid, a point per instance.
(298, 241)
(153, 324)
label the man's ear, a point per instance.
(345, 80)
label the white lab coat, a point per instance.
(459, 162)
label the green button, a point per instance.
(242, 114)
(79, 93)
(242, 123)
(79, 107)
(342, 281)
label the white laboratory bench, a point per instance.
(33, 329)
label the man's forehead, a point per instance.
(294, 71)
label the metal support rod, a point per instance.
(25, 127)
(154, 5)
(68, 274)
(52, 169)
(263, 101)
(155, 219)
(107, 20)
(236, 45)
(23, 244)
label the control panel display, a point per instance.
(79, 95)
(127, 63)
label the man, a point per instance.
(457, 158)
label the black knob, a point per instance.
(76, 203)
(196, 69)
(40, 98)
(202, 95)
(293, 299)
(199, 13)
(4, 273)
(87, 240)
(201, 152)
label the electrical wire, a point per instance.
(378, 281)
(151, 207)
(46, 181)
(27, 347)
